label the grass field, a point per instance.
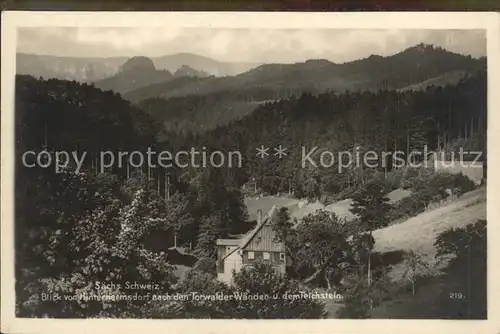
(300, 208)
(418, 233)
(297, 208)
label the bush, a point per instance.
(206, 284)
(206, 265)
(395, 178)
(439, 183)
(346, 193)
(407, 207)
(430, 188)
(463, 184)
(465, 292)
(359, 298)
(263, 280)
(404, 177)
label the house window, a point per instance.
(282, 256)
(251, 255)
(267, 256)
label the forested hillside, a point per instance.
(62, 211)
(135, 73)
(232, 97)
(386, 120)
(200, 113)
(411, 66)
(78, 225)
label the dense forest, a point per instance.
(84, 211)
(119, 224)
(441, 118)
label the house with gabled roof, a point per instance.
(258, 245)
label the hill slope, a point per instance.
(418, 233)
(233, 97)
(135, 73)
(92, 69)
(409, 67)
(200, 63)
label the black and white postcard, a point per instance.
(162, 170)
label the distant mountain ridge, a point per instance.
(186, 71)
(200, 63)
(408, 68)
(414, 68)
(201, 104)
(135, 73)
(88, 69)
(140, 72)
(68, 68)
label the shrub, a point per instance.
(462, 184)
(194, 282)
(430, 188)
(263, 280)
(360, 298)
(346, 193)
(401, 177)
(465, 292)
(439, 183)
(206, 265)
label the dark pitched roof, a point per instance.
(268, 218)
(243, 242)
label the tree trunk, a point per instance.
(158, 179)
(385, 160)
(128, 168)
(369, 276)
(471, 132)
(313, 276)
(97, 162)
(395, 150)
(45, 138)
(328, 284)
(407, 144)
(369, 268)
(450, 130)
(438, 137)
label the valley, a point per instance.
(390, 238)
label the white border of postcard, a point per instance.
(270, 20)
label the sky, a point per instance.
(242, 45)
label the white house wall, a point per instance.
(233, 261)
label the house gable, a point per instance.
(232, 254)
(265, 240)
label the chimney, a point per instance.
(259, 216)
